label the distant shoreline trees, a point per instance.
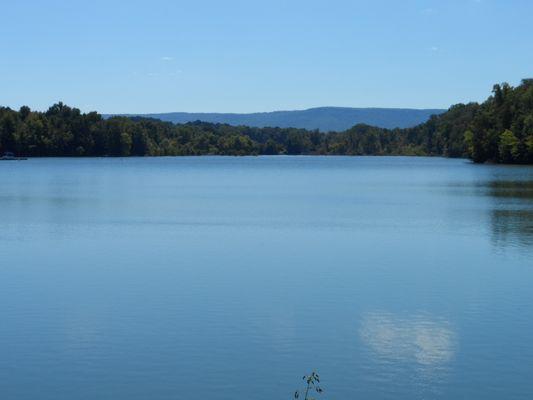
(499, 130)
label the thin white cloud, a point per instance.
(167, 58)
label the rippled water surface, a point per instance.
(229, 278)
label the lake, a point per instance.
(229, 278)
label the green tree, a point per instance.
(508, 147)
(125, 144)
(499, 129)
(8, 125)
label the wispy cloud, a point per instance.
(167, 58)
(434, 48)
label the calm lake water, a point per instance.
(229, 278)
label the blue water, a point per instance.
(229, 278)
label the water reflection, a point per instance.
(511, 215)
(511, 189)
(418, 339)
(410, 355)
(512, 227)
(209, 274)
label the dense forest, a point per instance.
(498, 130)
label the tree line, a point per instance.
(497, 130)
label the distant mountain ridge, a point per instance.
(322, 118)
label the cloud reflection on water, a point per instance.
(418, 339)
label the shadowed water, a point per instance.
(229, 278)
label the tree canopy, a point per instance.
(498, 130)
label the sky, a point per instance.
(248, 56)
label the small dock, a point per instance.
(9, 156)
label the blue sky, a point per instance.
(244, 56)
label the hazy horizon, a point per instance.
(275, 111)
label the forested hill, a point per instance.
(498, 130)
(325, 119)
